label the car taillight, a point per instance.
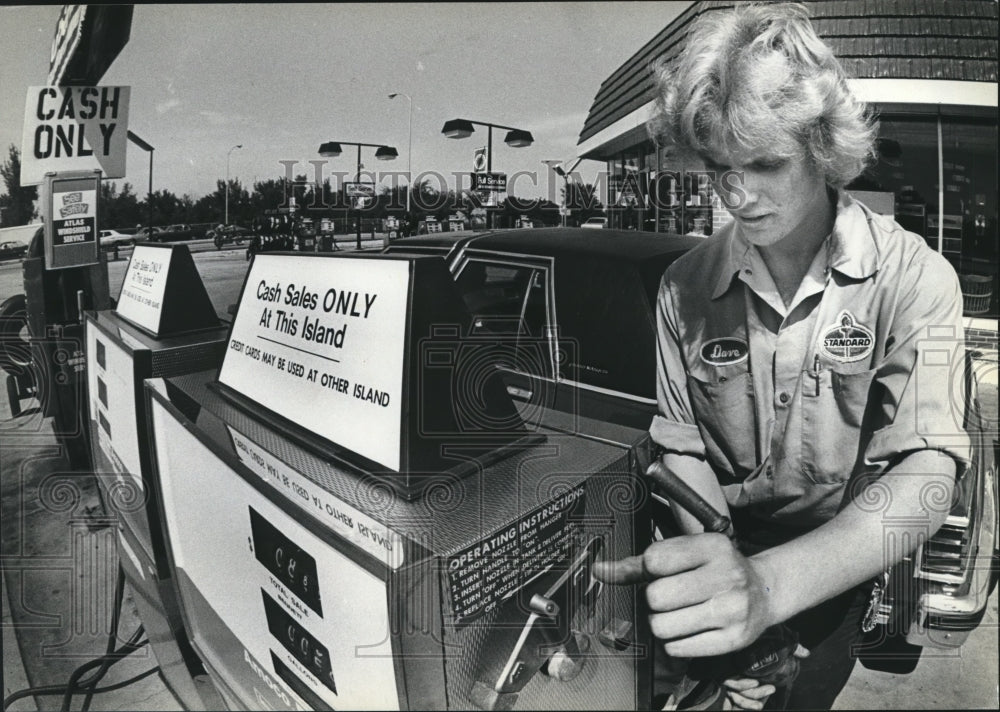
(947, 554)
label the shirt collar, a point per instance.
(852, 247)
(735, 255)
(852, 251)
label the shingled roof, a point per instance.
(875, 39)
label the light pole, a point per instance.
(409, 146)
(557, 167)
(230, 153)
(332, 149)
(462, 128)
(149, 196)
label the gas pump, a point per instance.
(387, 530)
(64, 274)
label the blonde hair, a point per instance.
(758, 76)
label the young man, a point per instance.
(791, 387)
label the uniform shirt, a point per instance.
(787, 404)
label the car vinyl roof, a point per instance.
(626, 245)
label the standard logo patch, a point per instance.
(724, 352)
(847, 340)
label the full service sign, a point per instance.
(320, 341)
(496, 182)
(74, 129)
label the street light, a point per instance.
(557, 167)
(409, 145)
(149, 196)
(239, 145)
(332, 149)
(462, 128)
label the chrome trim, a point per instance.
(964, 606)
(608, 391)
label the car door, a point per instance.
(607, 323)
(510, 299)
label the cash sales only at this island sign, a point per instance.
(320, 342)
(74, 128)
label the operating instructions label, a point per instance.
(497, 566)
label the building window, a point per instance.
(904, 182)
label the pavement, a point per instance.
(59, 562)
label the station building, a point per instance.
(929, 70)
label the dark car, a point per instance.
(578, 305)
(12, 250)
(147, 234)
(574, 310)
(180, 232)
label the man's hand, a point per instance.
(746, 694)
(750, 694)
(705, 597)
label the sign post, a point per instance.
(361, 196)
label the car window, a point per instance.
(494, 295)
(610, 323)
(510, 300)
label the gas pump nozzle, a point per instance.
(770, 658)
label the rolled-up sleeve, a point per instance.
(923, 374)
(673, 427)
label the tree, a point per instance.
(17, 207)
(268, 195)
(167, 208)
(582, 199)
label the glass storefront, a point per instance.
(906, 178)
(645, 192)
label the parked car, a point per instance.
(595, 223)
(146, 234)
(12, 250)
(525, 284)
(111, 238)
(937, 595)
(574, 311)
(182, 232)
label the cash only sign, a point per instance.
(74, 136)
(318, 342)
(74, 128)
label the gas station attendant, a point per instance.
(792, 387)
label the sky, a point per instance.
(281, 79)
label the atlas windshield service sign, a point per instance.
(74, 129)
(320, 341)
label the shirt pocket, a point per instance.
(833, 410)
(724, 410)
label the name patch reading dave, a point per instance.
(302, 318)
